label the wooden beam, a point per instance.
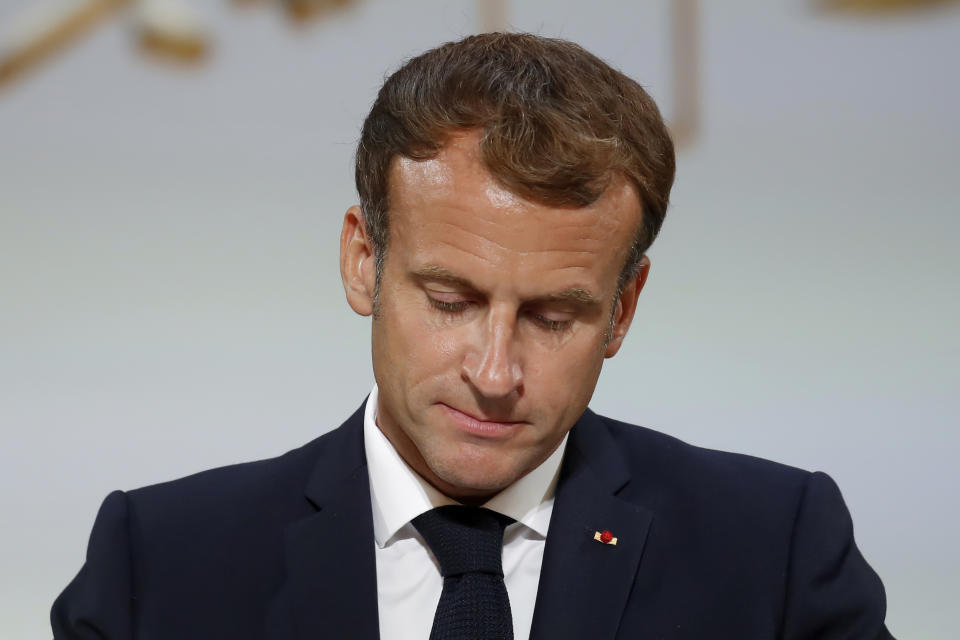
(56, 31)
(685, 63)
(493, 15)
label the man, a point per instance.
(510, 186)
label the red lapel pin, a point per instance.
(604, 537)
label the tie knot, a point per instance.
(464, 539)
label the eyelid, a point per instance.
(555, 315)
(559, 311)
(552, 325)
(447, 296)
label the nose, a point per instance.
(492, 366)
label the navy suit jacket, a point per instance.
(710, 545)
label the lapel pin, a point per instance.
(604, 537)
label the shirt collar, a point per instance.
(399, 494)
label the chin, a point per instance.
(468, 476)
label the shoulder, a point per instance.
(781, 535)
(661, 451)
(671, 475)
(243, 482)
(246, 494)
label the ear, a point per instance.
(626, 307)
(357, 266)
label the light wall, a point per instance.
(170, 299)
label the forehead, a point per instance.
(450, 210)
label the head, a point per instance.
(510, 186)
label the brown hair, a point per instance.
(557, 124)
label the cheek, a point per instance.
(417, 345)
(566, 373)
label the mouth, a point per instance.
(478, 426)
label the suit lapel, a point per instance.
(584, 584)
(331, 582)
(331, 585)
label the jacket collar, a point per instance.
(331, 581)
(584, 583)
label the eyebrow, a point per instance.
(441, 274)
(576, 295)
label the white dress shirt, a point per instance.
(408, 577)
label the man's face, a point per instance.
(493, 319)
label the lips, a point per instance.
(481, 426)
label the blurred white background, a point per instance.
(170, 297)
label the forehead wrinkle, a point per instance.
(489, 242)
(491, 252)
(546, 251)
(505, 248)
(554, 221)
(491, 257)
(484, 257)
(524, 256)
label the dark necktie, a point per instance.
(468, 544)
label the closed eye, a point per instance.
(454, 307)
(551, 324)
(449, 307)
